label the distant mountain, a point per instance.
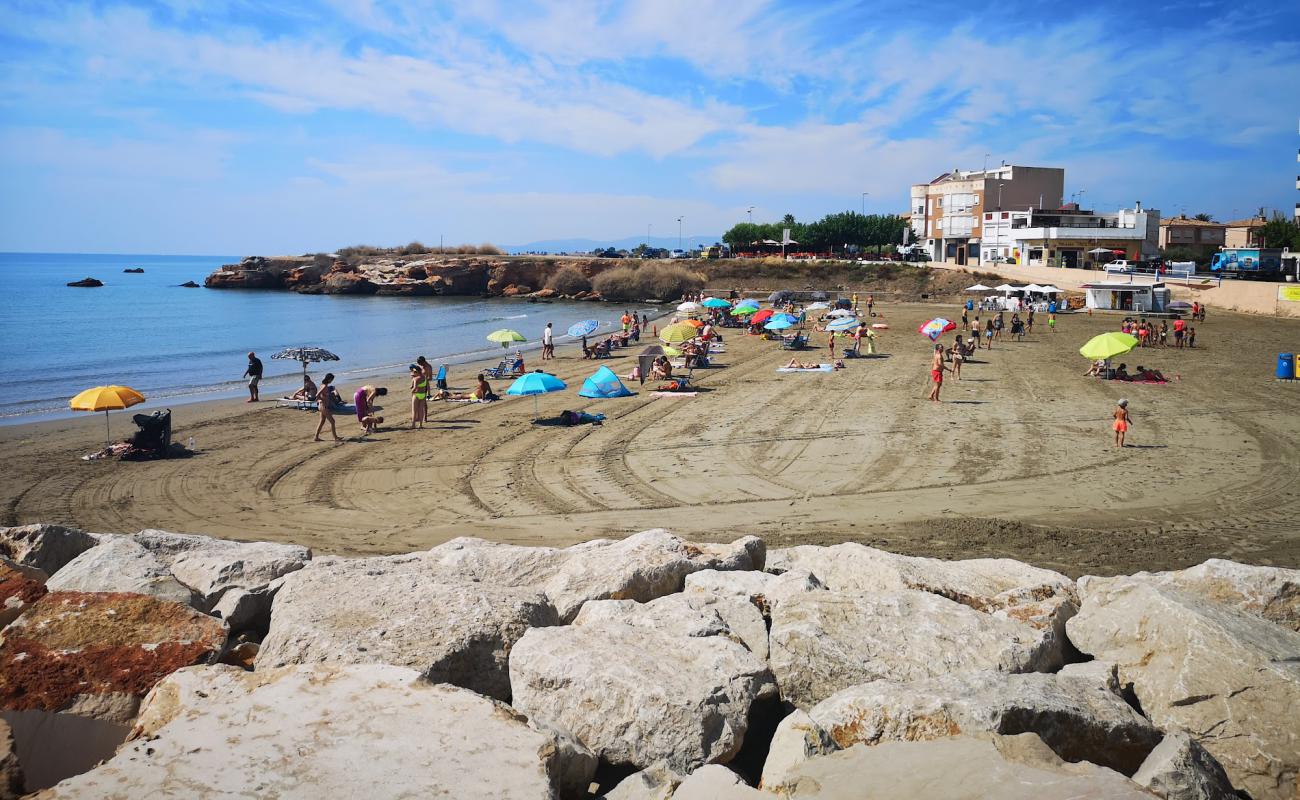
(626, 243)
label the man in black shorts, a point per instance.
(254, 374)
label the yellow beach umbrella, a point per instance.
(106, 399)
(1108, 345)
(505, 337)
(678, 333)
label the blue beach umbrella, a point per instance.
(844, 324)
(585, 328)
(788, 317)
(779, 324)
(535, 383)
(715, 302)
(748, 301)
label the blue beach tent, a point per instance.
(603, 384)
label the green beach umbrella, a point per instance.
(1108, 345)
(743, 311)
(506, 337)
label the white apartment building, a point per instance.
(1069, 237)
(948, 212)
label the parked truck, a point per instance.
(1249, 262)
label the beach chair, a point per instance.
(797, 342)
(441, 380)
(501, 370)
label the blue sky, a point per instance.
(192, 126)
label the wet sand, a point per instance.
(1016, 461)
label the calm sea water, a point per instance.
(175, 344)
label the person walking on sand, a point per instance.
(871, 305)
(831, 344)
(548, 343)
(1122, 420)
(936, 373)
(627, 322)
(325, 405)
(419, 396)
(254, 374)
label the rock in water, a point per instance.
(87, 283)
(1180, 769)
(397, 610)
(1228, 677)
(637, 695)
(46, 547)
(1078, 719)
(324, 732)
(20, 586)
(96, 655)
(1271, 593)
(822, 642)
(958, 768)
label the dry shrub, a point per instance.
(569, 280)
(413, 249)
(655, 281)
(465, 250)
(489, 249)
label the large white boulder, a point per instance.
(822, 642)
(762, 589)
(1002, 586)
(326, 731)
(716, 782)
(958, 768)
(641, 567)
(1180, 769)
(119, 564)
(1272, 593)
(638, 695)
(399, 611)
(211, 567)
(1226, 676)
(46, 547)
(797, 739)
(653, 783)
(686, 615)
(1078, 719)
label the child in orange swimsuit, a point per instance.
(1122, 421)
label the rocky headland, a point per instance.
(417, 275)
(166, 664)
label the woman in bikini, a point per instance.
(324, 403)
(1122, 421)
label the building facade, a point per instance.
(1244, 232)
(948, 212)
(1183, 232)
(1069, 237)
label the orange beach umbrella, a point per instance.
(106, 399)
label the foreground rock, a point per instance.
(822, 642)
(11, 773)
(641, 567)
(96, 655)
(1180, 769)
(399, 611)
(1077, 719)
(324, 731)
(716, 782)
(45, 547)
(20, 586)
(118, 564)
(686, 615)
(639, 695)
(1271, 593)
(1228, 677)
(959, 768)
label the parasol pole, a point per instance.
(108, 439)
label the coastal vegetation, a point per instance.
(569, 281)
(416, 248)
(640, 280)
(831, 233)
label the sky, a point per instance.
(234, 127)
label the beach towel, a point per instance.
(820, 368)
(674, 394)
(310, 405)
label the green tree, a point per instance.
(1204, 217)
(1280, 232)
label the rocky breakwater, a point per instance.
(647, 667)
(427, 274)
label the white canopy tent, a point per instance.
(979, 287)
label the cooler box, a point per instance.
(1286, 366)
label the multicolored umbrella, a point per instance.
(584, 328)
(305, 354)
(844, 324)
(1108, 345)
(936, 328)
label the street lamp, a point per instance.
(679, 232)
(750, 212)
(864, 203)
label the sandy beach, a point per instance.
(1016, 461)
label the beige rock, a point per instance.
(1100, 673)
(1180, 769)
(119, 564)
(796, 740)
(763, 589)
(686, 615)
(1039, 597)
(400, 611)
(46, 547)
(959, 768)
(716, 782)
(211, 567)
(1272, 593)
(653, 783)
(641, 567)
(636, 695)
(11, 773)
(1077, 718)
(822, 642)
(1228, 677)
(324, 731)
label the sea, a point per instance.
(177, 345)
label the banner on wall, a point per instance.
(1291, 293)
